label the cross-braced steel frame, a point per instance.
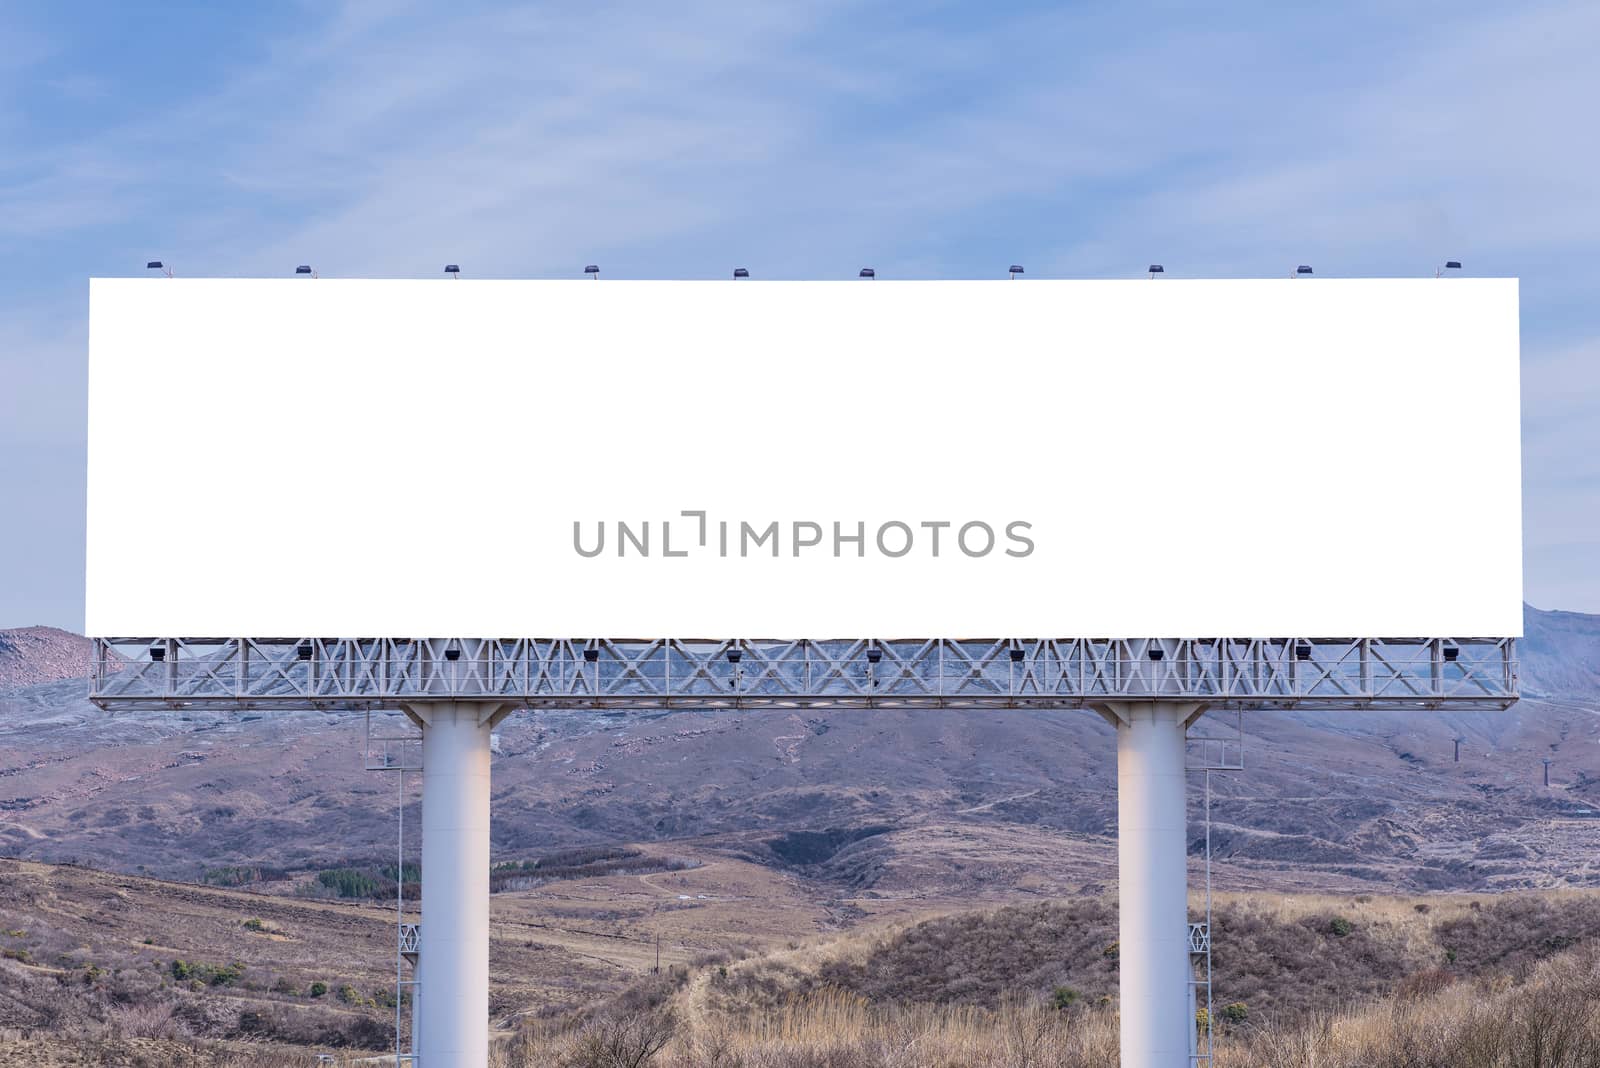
(1221, 673)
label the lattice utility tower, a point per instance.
(457, 689)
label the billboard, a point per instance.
(643, 459)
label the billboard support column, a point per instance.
(1152, 859)
(452, 994)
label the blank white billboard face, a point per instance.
(1313, 458)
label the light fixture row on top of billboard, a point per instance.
(1016, 270)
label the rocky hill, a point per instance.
(1560, 654)
(881, 804)
(32, 655)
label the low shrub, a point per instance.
(242, 875)
(350, 882)
(195, 972)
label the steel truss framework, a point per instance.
(1221, 673)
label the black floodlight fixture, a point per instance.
(305, 269)
(1452, 653)
(158, 653)
(1157, 654)
(452, 654)
(1156, 268)
(867, 272)
(591, 654)
(1302, 651)
(1017, 654)
(1014, 270)
(453, 270)
(593, 269)
(157, 265)
(735, 655)
(303, 651)
(1303, 269)
(874, 655)
(741, 272)
(1449, 265)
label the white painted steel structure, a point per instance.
(364, 673)
(1150, 689)
(880, 419)
(1154, 972)
(452, 1008)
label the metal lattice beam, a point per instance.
(1223, 673)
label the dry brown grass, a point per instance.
(1380, 995)
(1548, 1019)
(834, 1029)
(39, 1051)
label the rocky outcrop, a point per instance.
(32, 655)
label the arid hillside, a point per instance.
(106, 969)
(1301, 982)
(1305, 982)
(103, 968)
(117, 967)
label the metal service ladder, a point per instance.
(1210, 753)
(397, 747)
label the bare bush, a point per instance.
(629, 1040)
(151, 1019)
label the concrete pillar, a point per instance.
(451, 1014)
(1152, 857)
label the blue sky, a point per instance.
(800, 140)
